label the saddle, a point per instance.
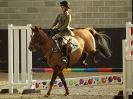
(71, 44)
(58, 48)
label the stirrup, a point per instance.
(64, 60)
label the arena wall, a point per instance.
(109, 16)
(94, 13)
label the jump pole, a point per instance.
(79, 70)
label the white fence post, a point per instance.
(127, 62)
(29, 56)
(19, 56)
(10, 57)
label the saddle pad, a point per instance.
(74, 43)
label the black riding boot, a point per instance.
(64, 58)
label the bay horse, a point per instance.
(40, 38)
(89, 42)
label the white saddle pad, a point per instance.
(74, 43)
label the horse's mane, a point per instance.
(49, 32)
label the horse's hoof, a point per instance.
(67, 93)
(47, 95)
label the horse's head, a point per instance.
(35, 39)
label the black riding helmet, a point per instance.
(65, 4)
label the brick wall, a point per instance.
(95, 13)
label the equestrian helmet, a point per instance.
(65, 4)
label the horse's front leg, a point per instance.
(61, 76)
(54, 76)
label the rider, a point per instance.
(62, 29)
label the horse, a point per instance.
(95, 42)
(89, 42)
(40, 38)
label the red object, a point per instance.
(115, 77)
(90, 81)
(131, 30)
(132, 42)
(104, 70)
(131, 52)
(48, 69)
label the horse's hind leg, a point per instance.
(83, 59)
(54, 76)
(93, 53)
(61, 76)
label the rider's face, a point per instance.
(63, 8)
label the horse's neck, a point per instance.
(46, 43)
(44, 38)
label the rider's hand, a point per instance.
(55, 30)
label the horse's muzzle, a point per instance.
(32, 49)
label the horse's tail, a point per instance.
(102, 42)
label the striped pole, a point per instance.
(79, 70)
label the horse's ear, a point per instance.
(36, 28)
(33, 29)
